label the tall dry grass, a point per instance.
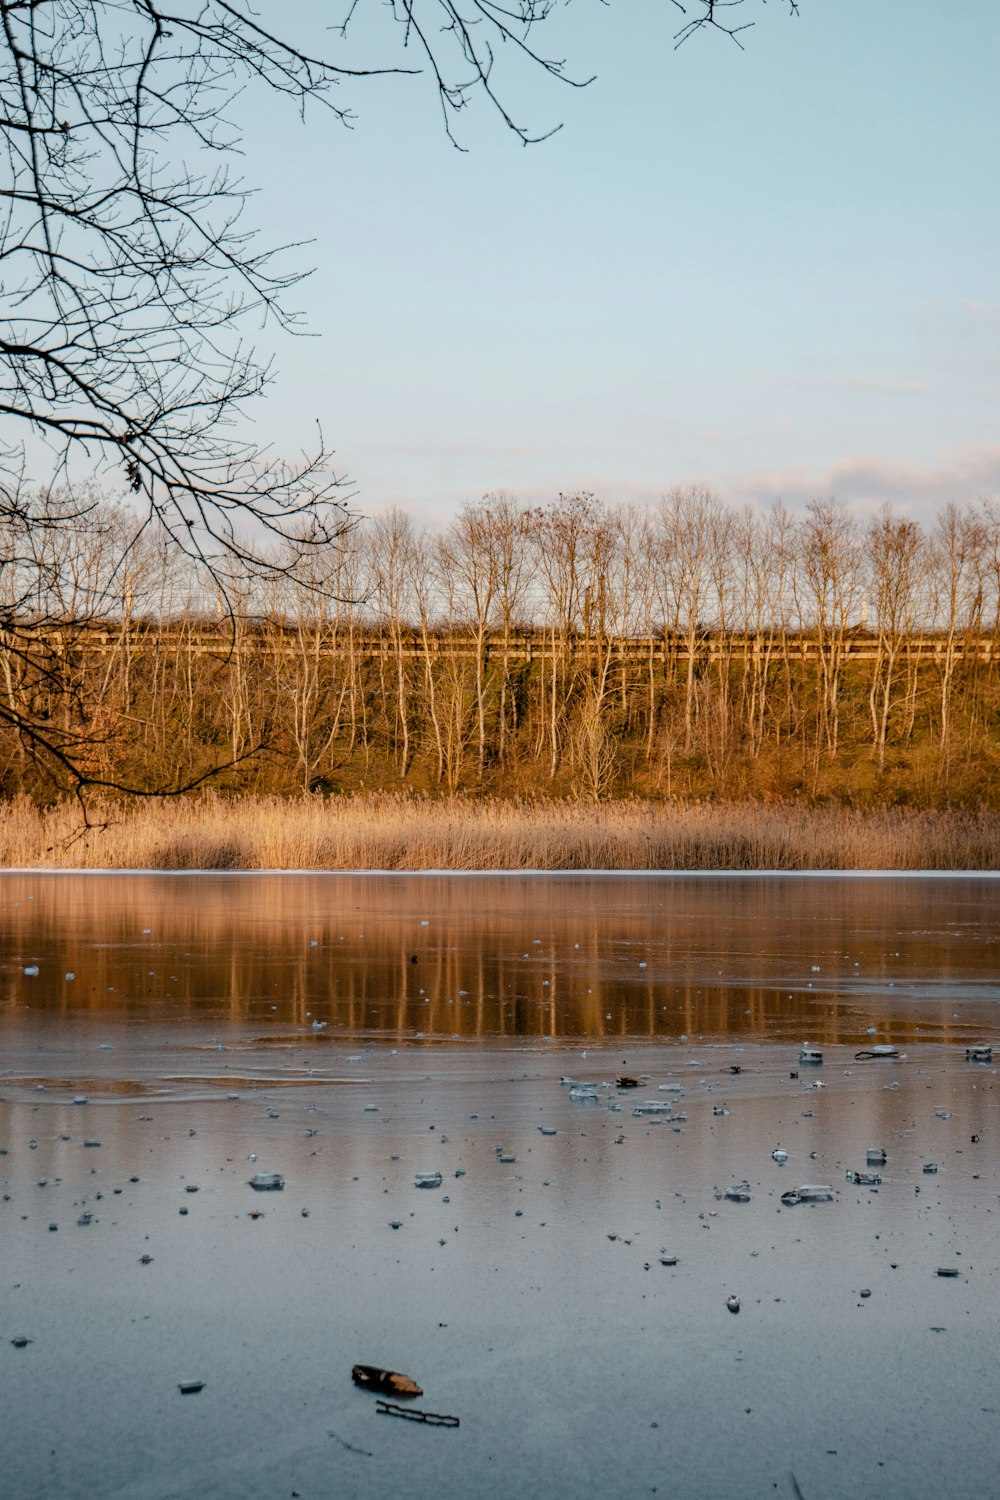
(386, 832)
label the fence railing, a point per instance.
(341, 643)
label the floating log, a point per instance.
(388, 1382)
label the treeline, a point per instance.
(667, 655)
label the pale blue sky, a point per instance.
(774, 271)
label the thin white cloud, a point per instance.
(867, 383)
(889, 387)
(448, 451)
(862, 481)
(985, 312)
(962, 473)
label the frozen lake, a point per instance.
(529, 1297)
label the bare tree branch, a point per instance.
(713, 13)
(129, 276)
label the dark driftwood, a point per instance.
(388, 1382)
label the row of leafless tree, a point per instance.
(578, 644)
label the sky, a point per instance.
(775, 272)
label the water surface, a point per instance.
(508, 957)
(528, 1297)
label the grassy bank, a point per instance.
(394, 833)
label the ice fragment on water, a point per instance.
(267, 1182)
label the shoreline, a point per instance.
(398, 834)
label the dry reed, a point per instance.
(385, 832)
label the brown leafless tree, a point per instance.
(830, 562)
(896, 565)
(688, 519)
(130, 275)
(391, 544)
(561, 535)
(959, 562)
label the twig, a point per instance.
(430, 1418)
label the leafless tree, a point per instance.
(130, 275)
(513, 564)
(688, 523)
(59, 553)
(422, 559)
(456, 695)
(561, 535)
(896, 565)
(392, 542)
(308, 608)
(991, 571)
(129, 271)
(128, 267)
(830, 562)
(469, 556)
(753, 560)
(959, 543)
(642, 544)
